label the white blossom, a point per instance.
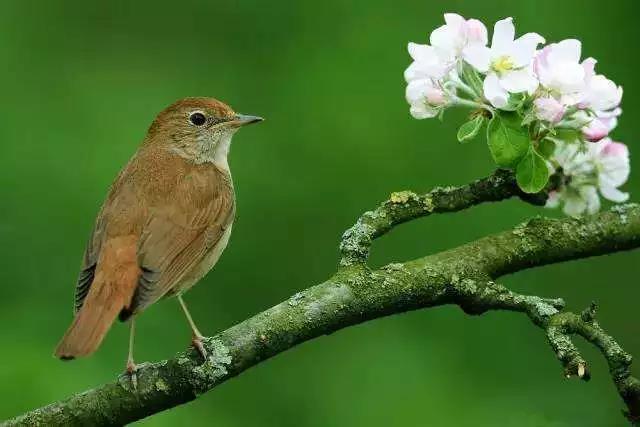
(575, 201)
(457, 33)
(447, 42)
(507, 62)
(551, 93)
(559, 70)
(612, 165)
(600, 167)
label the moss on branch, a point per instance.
(464, 276)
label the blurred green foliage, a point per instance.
(81, 82)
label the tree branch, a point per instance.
(405, 206)
(463, 276)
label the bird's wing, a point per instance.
(120, 195)
(87, 270)
(181, 231)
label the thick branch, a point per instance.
(461, 276)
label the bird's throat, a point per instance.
(207, 151)
(221, 152)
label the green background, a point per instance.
(81, 81)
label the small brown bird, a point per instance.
(165, 222)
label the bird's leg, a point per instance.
(196, 339)
(132, 369)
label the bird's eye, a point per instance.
(197, 118)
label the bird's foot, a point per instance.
(197, 343)
(132, 372)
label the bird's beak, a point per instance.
(244, 119)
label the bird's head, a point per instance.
(199, 129)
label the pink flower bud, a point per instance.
(549, 109)
(595, 130)
(435, 96)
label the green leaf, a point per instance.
(508, 141)
(546, 148)
(532, 173)
(470, 129)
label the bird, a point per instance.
(165, 222)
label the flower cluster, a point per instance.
(546, 111)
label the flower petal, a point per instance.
(420, 70)
(609, 118)
(567, 78)
(613, 194)
(414, 92)
(609, 114)
(478, 56)
(614, 172)
(589, 66)
(454, 20)
(574, 206)
(477, 32)
(590, 195)
(524, 48)
(443, 38)
(414, 72)
(419, 111)
(602, 93)
(615, 149)
(519, 81)
(494, 92)
(541, 63)
(428, 63)
(421, 52)
(568, 50)
(503, 34)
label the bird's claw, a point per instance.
(132, 372)
(197, 343)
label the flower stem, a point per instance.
(458, 84)
(457, 101)
(467, 89)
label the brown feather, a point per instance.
(162, 219)
(112, 288)
(182, 230)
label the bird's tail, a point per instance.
(110, 292)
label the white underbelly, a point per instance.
(207, 263)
